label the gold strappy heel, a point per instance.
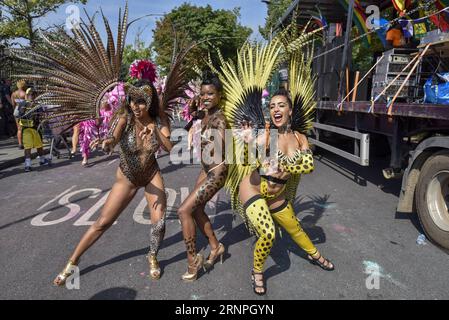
(67, 272)
(212, 258)
(155, 270)
(197, 265)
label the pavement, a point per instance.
(11, 155)
(348, 211)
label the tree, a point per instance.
(276, 9)
(209, 29)
(19, 16)
(131, 53)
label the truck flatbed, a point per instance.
(413, 110)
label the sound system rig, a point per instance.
(392, 65)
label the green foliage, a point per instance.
(19, 16)
(189, 24)
(131, 53)
(363, 55)
(276, 9)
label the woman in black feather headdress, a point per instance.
(263, 185)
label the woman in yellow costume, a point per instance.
(262, 191)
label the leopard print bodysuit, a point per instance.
(137, 159)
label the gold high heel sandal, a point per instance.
(198, 263)
(67, 272)
(213, 257)
(155, 270)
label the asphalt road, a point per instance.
(348, 211)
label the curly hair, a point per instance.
(209, 78)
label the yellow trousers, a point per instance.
(262, 219)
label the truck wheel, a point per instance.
(432, 198)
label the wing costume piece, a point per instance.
(176, 83)
(71, 74)
(299, 52)
(244, 83)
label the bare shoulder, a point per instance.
(302, 140)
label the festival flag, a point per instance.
(319, 17)
(401, 6)
(407, 27)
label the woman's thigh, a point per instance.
(156, 197)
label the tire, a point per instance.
(432, 198)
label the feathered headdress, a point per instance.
(193, 90)
(143, 70)
(72, 74)
(244, 82)
(116, 96)
(144, 93)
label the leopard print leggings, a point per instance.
(157, 232)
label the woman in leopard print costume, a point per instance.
(211, 179)
(135, 128)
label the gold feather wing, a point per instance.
(243, 84)
(298, 50)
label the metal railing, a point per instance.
(360, 155)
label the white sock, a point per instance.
(27, 162)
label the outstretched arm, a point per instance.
(163, 136)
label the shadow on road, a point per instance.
(358, 174)
(118, 293)
(66, 162)
(284, 245)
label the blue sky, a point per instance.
(252, 12)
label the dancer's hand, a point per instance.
(147, 132)
(246, 132)
(193, 105)
(108, 145)
(94, 144)
(270, 166)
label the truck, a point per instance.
(414, 134)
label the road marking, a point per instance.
(55, 198)
(184, 194)
(64, 201)
(138, 214)
(84, 220)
